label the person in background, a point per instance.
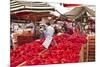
(69, 28)
(56, 30)
(55, 25)
(78, 28)
(36, 31)
(42, 29)
(64, 27)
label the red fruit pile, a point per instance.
(66, 51)
(25, 52)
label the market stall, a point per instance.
(65, 46)
(80, 16)
(27, 12)
(86, 16)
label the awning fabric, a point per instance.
(22, 6)
(78, 11)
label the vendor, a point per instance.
(49, 30)
(49, 34)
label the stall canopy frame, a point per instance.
(79, 11)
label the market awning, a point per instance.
(21, 10)
(22, 6)
(78, 11)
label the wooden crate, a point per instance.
(87, 53)
(90, 49)
(18, 39)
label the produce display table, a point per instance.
(80, 60)
(69, 49)
(21, 37)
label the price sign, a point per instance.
(47, 41)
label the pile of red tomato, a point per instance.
(66, 51)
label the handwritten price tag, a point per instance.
(47, 41)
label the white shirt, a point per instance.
(49, 31)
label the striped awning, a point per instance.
(22, 6)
